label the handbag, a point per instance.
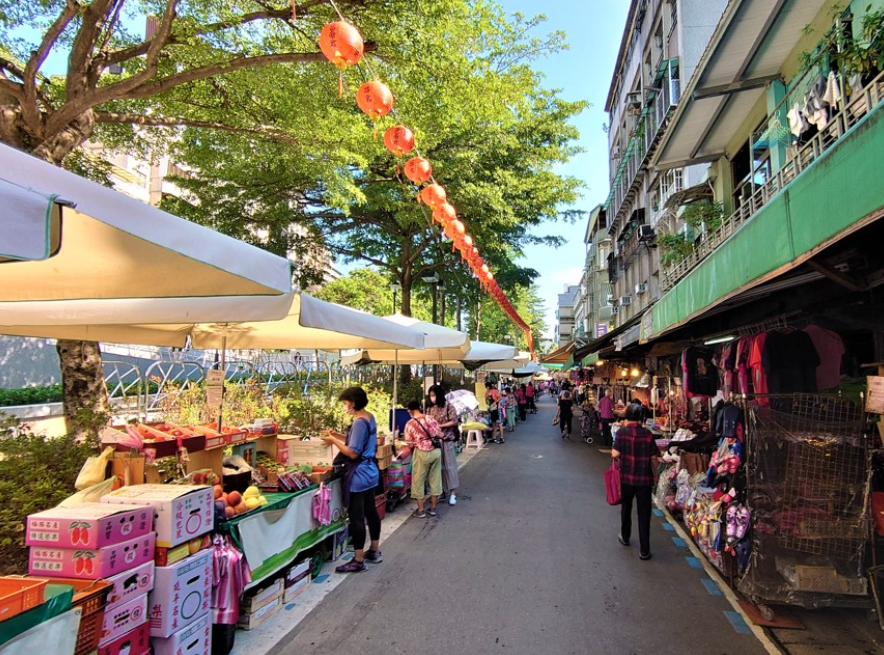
(436, 441)
(612, 484)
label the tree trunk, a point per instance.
(443, 306)
(406, 281)
(459, 315)
(477, 320)
(86, 405)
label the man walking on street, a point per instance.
(529, 394)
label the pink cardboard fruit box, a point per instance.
(122, 619)
(91, 564)
(181, 594)
(195, 639)
(130, 584)
(182, 511)
(88, 526)
(134, 642)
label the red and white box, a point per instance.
(130, 584)
(134, 642)
(181, 594)
(122, 619)
(91, 564)
(195, 639)
(88, 526)
(182, 511)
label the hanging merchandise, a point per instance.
(700, 374)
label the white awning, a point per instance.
(441, 345)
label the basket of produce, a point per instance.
(236, 503)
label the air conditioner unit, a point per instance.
(615, 311)
(641, 288)
(610, 299)
(625, 300)
(616, 154)
(634, 100)
(646, 233)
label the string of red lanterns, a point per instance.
(342, 44)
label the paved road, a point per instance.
(528, 562)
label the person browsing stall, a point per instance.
(361, 476)
(446, 416)
(422, 434)
(636, 451)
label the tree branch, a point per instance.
(92, 19)
(358, 255)
(30, 110)
(159, 121)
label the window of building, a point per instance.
(750, 169)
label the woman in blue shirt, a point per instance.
(361, 477)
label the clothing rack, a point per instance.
(780, 322)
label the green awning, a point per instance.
(591, 359)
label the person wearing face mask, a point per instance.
(361, 476)
(446, 416)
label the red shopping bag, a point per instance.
(612, 484)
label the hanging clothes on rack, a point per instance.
(790, 361)
(833, 94)
(797, 121)
(815, 108)
(700, 374)
(756, 369)
(830, 348)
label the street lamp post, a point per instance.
(395, 287)
(435, 281)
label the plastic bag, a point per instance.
(93, 494)
(94, 470)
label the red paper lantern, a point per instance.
(459, 228)
(341, 44)
(399, 140)
(444, 213)
(433, 195)
(468, 243)
(375, 99)
(484, 269)
(418, 170)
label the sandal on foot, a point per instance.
(353, 566)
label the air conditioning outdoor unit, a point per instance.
(625, 300)
(641, 288)
(610, 299)
(634, 100)
(646, 233)
(615, 311)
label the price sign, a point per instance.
(214, 387)
(875, 396)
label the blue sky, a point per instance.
(583, 72)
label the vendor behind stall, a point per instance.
(361, 477)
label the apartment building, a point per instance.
(592, 305)
(790, 122)
(564, 331)
(662, 44)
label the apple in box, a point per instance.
(181, 594)
(88, 526)
(91, 564)
(182, 511)
(195, 639)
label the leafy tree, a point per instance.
(233, 88)
(368, 290)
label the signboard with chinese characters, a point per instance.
(601, 329)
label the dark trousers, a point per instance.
(362, 509)
(606, 432)
(565, 423)
(531, 406)
(523, 411)
(642, 496)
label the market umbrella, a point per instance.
(508, 365)
(83, 241)
(310, 324)
(463, 400)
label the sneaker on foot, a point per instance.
(374, 556)
(353, 566)
(419, 514)
(432, 512)
(452, 500)
(623, 541)
(644, 556)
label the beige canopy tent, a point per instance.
(310, 323)
(441, 344)
(78, 240)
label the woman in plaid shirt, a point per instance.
(636, 451)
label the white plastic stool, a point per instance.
(475, 439)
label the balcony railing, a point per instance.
(648, 130)
(870, 97)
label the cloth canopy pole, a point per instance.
(395, 391)
(223, 376)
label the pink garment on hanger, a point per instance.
(230, 575)
(322, 505)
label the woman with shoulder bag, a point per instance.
(446, 417)
(637, 453)
(423, 436)
(361, 478)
